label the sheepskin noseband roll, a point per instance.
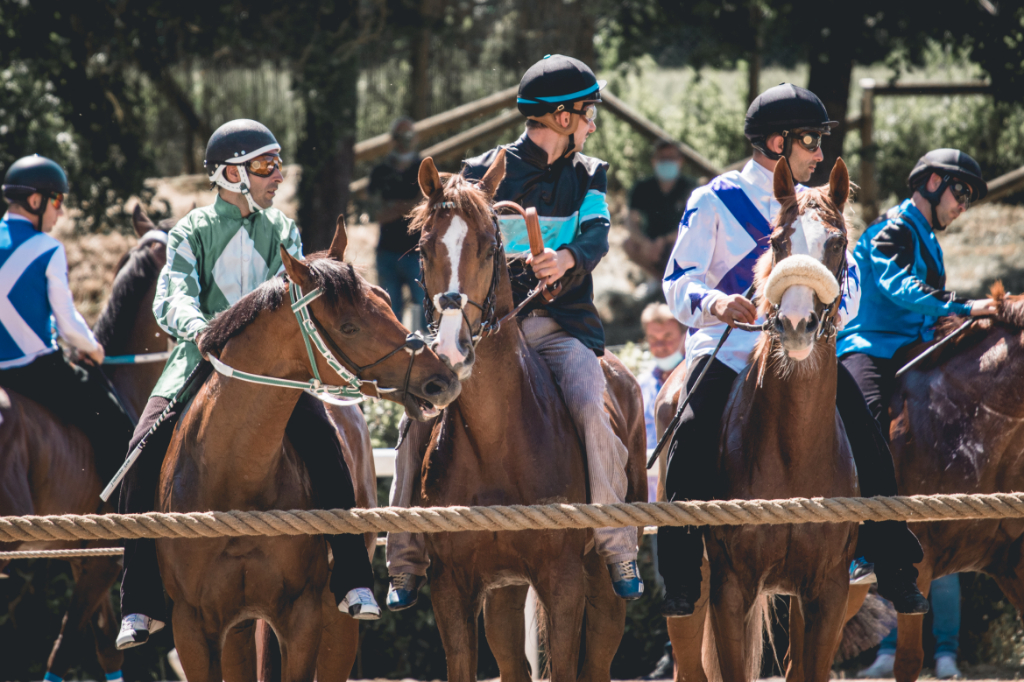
(805, 270)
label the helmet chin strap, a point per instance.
(549, 119)
(934, 198)
(242, 186)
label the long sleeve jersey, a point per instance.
(904, 284)
(725, 229)
(569, 196)
(35, 296)
(214, 258)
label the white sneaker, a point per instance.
(881, 668)
(945, 668)
(360, 604)
(136, 629)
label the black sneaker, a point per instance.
(901, 589)
(677, 606)
(664, 670)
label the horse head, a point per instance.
(463, 258)
(799, 278)
(356, 321)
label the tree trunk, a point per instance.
(757, 46)
(831, 57)
(328, 86)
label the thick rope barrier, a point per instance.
(508, 518)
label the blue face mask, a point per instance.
(668, 363)
(666, 171)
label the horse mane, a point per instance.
(136, 272)
(337, 280)
(456, 188)
(817, 198)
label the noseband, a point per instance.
(315, 336)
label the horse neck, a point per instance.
(135, 382)
(797, 410)
(243, 424)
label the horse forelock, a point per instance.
(136, 272)
(466, 197)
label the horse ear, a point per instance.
(141, 221)
(494, 175)
(430, 180)
(298, 272)
(839, 183)
(340, 241)
(783, 179)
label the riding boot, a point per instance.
(315, 440)
(681, 547)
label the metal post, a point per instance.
(868, 182)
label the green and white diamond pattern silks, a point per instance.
(214, 258)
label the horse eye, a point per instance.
(349, 328)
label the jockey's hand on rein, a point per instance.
(93, 357)
(733, 309)
(549, 266)
(983, 306)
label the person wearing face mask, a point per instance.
(666, 338)
(655, 206)
(395, 190)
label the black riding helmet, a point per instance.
(950, 165)
(555, 84)
(780, 109)
(234, 143)
(31, 174)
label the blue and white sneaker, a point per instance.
(626, 579)
(136, 629)
(360, 604)
(862, 572)
(404, 591)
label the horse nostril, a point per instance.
(435, 386)
(779, 326)
(812, 323)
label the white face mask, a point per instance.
(669, 362)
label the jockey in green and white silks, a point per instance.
(237, 255)
(216, 255)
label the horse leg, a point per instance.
(238, 660)
(687, 634)
(561, 590)
(730, 610)
(456, 611)
(605, 623)
(339, 643)
(197, 645)
(506, 631)
(93, 578)
(299, 629)
(909, 647)
(823, 615)
(104, 630)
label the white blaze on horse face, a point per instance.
(797, 304)
(448, 332)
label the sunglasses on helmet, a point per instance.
(264, 166)
(808, 139)
(960, 190)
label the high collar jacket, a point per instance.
(569, 196)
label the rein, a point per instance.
(314, 336)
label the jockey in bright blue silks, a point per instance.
(36, 305)
(725, 229)
(904, 277)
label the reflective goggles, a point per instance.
(808, 139)
(588, 112)
(264, 166)
(58, 199)
(960, 190)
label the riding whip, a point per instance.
(202, 370)
(952, 335)
(674, 424)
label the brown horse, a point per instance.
(229, 452)
(782, 437)
(509, 439)
(47, 467)
(957, 428)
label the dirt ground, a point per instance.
(984, 245)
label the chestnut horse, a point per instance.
(229, 452)
(782, 437)
(47, 467)
(957, 428)
(509, 439)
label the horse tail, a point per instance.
(757, 625)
